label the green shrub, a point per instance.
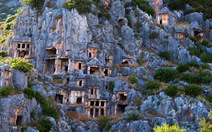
(206, 58)
(182, 67)
(3, 53)
(165, 74)
(193, 90)
(186, 66)
(206, 77)
(191, 78)
(171, 90)
(47, 109)
(82, 6)
(144, 5)
(30, 84)
(139, 61)
(193, 64)
(29, 93)
(168, 128)
(152, 84)
(37, 4)
(104, 122)
(206, 126)
(195, 51)
(153, 35)
(6, 90)
(21, 64)
(206, 43)
(193, 39)
(131, 115)
(111, 86)
(133, 79)
(209, 98)
(165, 54)
(43, 125)
(205, 66)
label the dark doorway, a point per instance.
(121, 108)
(79, 100)
(59, 98)
(97, 113)
(19, 120)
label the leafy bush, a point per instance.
(104, 122)
(193, 39)
(193, 64)
(195, 51)
(131, 115)
(153, 35)
(3, 53)
(168, 128)
(139, 61)
(206, 77)
(193, 90)
(47, 108)
(152, 84)
(206, 58)
(191, 78)
(21, 64)
(206, 43)
(165, 54)
(144, 5)
(82, 6)
(205, 66)
(29, 93)
(165, 74)
(209, 98)
(111, 86)
(182, 67)
(37, 4)
(206, 125)
(43, 125)
(6, 90)
(186, 66)
(133, 79)
(171, 90)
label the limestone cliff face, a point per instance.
(80, 56)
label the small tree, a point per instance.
(131, 115)
(21, 64)
(171, 90)
(193, 90)
(133, 79)
(44, 125)
(3, 53)
(165, 54)
(82, 6)
(168, 128)
(165, 74)
(104, 122)
(37, 4)
(206, 125)
(152, 84)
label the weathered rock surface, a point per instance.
(14, 107)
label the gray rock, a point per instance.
(195, 16)
(19, 79)
(30, 129)
(139, 126)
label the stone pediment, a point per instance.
(95, 62)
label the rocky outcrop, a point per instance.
(15, 110)
(182, 109)
(84, 60)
